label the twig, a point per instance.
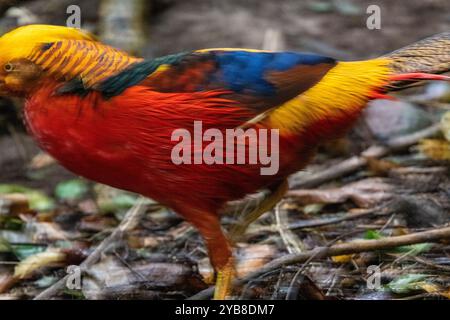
(324, 222)
(381, 210)
(431, 264)
(339, 249)
(129, 222)
(352, 164)
(291, 241)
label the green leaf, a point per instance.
(406, 283)
(4, 245)
(76, 294)
(414, 249)
(372, 235)
(321, 7)
(347, 8)
(445, 125)
(122, 201)
(313, 208)
(71, 189)
(45, 281)
(39, 201)
(13, 188)
(23, 251)
(11, 223)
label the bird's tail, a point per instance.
(423, 60)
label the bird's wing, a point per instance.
(258, 80)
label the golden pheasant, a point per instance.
(198, 129)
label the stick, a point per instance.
(380, 210)
(291, 241)
(354, 163)
(129, 222)
(324, 222)
(336, 250)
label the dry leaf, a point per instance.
(343, 258)
(27, 267)
(14, 203)
(6, 282)
(364, 193)
(435, 149)
(380, 167)
(434, 288)
(445, 125)
(41, 160)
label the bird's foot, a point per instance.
(225, 277)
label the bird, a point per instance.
(110, 117)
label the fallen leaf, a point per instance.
(434, 288)
(343, 258)
(27, 267)
(23, 251)
(37, 200)
(71, 189)
(414, 249)
(7, 280)
(407, 283)
(445, 125)
(372, 235)
(435, 149)
(49, 231)
(380, 167)
(41, 160)
(4, 245)
(14, 203)
(313, 208)
(114, 200)
(364, 193)
(45, 281)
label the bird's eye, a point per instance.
(8, 67)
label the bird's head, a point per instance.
(18, 73)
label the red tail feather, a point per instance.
(418, 76)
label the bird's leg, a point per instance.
(225, 277)
(276, 194)
(219, 250)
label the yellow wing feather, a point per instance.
(346, 88)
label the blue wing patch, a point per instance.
(246, 71)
